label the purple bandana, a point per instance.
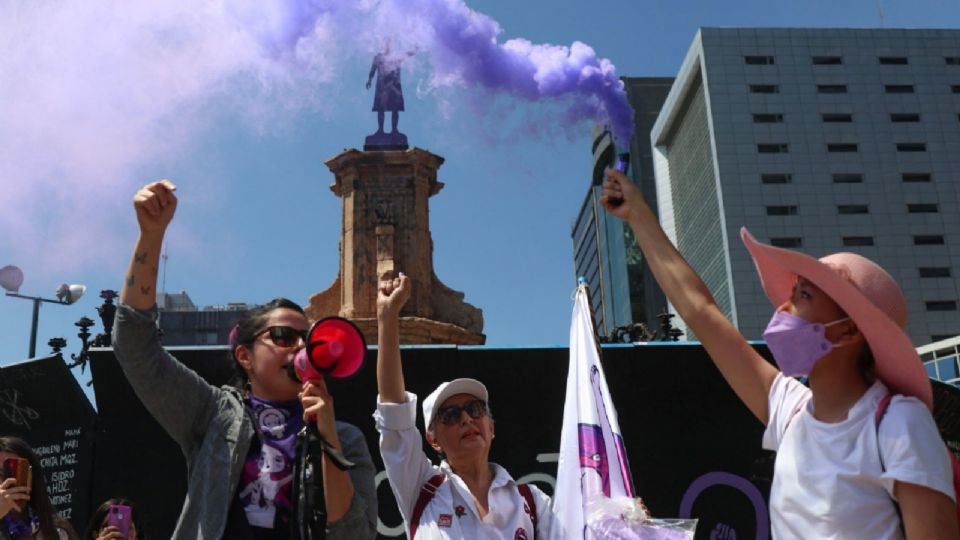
(265, 485)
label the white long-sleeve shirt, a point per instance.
(451, 513)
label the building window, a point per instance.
(776, 148)
(831, 88)
(955, 88)
(766, 118)
(894, 60)
(924, 208)
(928, 240)
(787, 242)
(837, 117)
(758, 60)
(916, 177)
(847, 209)
(785, 210)
(853, 241)
(764, 89)
(847, 178)
(911, 147)
(841, 147)
(934, 271)
(827, 60)
(942, 305)
(952, 60)
(898, 88)
(904, 117)
(776, 178)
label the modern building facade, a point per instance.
(622, 290)
(941, 359)
(821, 140)
(183, 323)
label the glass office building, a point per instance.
(821, 140)
(622, 290)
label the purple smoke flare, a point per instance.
(104, 89)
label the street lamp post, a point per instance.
(11, 278)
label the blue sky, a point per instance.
(256, 218)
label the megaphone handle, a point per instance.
(336, 456)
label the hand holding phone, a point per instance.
(19, 469)
(120, 516)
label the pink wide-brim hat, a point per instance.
(869, 296)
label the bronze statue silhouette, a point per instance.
(388, 96)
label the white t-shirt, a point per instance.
(828, 481)
(451, 513)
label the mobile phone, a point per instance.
(19, 469)
(120, 516)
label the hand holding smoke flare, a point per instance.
(622, 165)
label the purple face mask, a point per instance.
(797, 344)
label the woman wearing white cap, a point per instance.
(838, 320)
(466, 496)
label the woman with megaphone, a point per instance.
(466, 496)
(240, 441)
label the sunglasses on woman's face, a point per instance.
(451, 415)
(285, 336)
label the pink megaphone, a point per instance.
(335, 348)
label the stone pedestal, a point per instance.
(385, 230)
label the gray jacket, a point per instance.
(214, 431)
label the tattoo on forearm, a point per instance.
(141, 257)
(145, 289)
(131, 279)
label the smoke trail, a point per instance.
(90, 92)
(463, 48)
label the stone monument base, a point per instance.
(385, 141)
(417, 330)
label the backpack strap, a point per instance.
(954, 463)
(426, 495)
(877, 417)
(430, 488)
(530, 506)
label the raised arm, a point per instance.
(746, 372)
(155, 205)
(179, 399)
(393, 294)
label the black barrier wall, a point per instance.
(694, 449)
(42, 403)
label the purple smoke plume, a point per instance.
(99, 91)
(463, 48)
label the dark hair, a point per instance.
(100, 515)
(246, 331)
(39, 498)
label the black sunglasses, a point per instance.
(451, 415)
(285, 336)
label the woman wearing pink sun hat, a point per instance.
(839, 321)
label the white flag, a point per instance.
(593, 460)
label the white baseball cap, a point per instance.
(448, 389)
